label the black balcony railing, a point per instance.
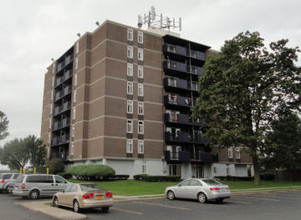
(63, 156)
(182, 67)
(180, 119)
(182, 51)
(184, 137)
(64, 139)
(177, 100)
(187, 156)
(62, 108)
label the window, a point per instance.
(130, 35)
(129, 146)
(140, 127)
(130, 69)
(140, 54)
(140, 108)
(129, 126)
(140, 147)
(237, 152)
(129, 107)
(59, 179)
(140, 37)
(130, 88)
(140, 72)
(195, 183)
(230, 152)
(140, 89)
(130, 52)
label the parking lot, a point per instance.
(273, 205)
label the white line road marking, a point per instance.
(129, 211)
(162, 205)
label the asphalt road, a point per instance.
(280, 205)
(272, 205)
(9, 210)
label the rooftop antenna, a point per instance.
(155, 21)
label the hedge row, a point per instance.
(91, 172)
(234, 178)
(148, 178)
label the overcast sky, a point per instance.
(34, 31)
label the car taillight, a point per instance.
(23, 185)
(2, 181)
(227, 188)
(88, 195)
(215, 189)
(109, 194)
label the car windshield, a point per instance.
(212, 182)
(89, 187)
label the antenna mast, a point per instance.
(152, 20)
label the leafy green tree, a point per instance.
(3, 125)
(284, 143)
(244, 88)
(55, 165)
(19, 152)
(14, 154)
(37, 151)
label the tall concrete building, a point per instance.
(122, 96)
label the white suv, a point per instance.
(35, 185)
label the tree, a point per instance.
(3, 125)
(19, 152)
(244, 88)
(37, 151)
(56, 165)
(14, 154)
(284, 143)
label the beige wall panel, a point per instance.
(153, 94)
(98, 71)
(117, 50)
(153, 149)
(152, 42)
(152, 59)
(96, 108)
(96, 128)
(153, 76)
(115, 107)
(116, 68)
(97, 89)
(115, 127)
(99, 35)
(114, 147)
(115, 87)
(98, 53)
(153, 112)
(153, 130)
(116, 33)
(95, 148)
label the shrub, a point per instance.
(234, 178)
(118, 177)
(65, 175)
(91, 171)
(55, 166)
(148, 178)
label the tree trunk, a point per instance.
(256, 170)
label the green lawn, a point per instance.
(134, 188)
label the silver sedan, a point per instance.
(200, 189)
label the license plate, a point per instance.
(99, 197)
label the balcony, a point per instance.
(187, 156)
(199, 55)
(64, 139)
(179, 119)
(184, 138)
(173, 84)
(65, 122)
(182, 51)
(169, 65)
(176, 100)
(62, 108)
(60, 80)
(63, 156)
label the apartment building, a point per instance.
(122, 96)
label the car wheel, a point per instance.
(219, 200)
(55, 202)
(170, 195)
(34, 194)
(105, 209)
(76, 206)
(202, 198)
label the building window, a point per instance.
(129, 126)
(130, 69)
(140, 72)
(140, 37)
(140, 147)
(129, 146)
(130, 107)
(130, 52)
(140, 127)
(130, 35)
(140, 108)
(140, 54)
(237, 152)
(140, 89)
(230, 152)
(130, 88)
